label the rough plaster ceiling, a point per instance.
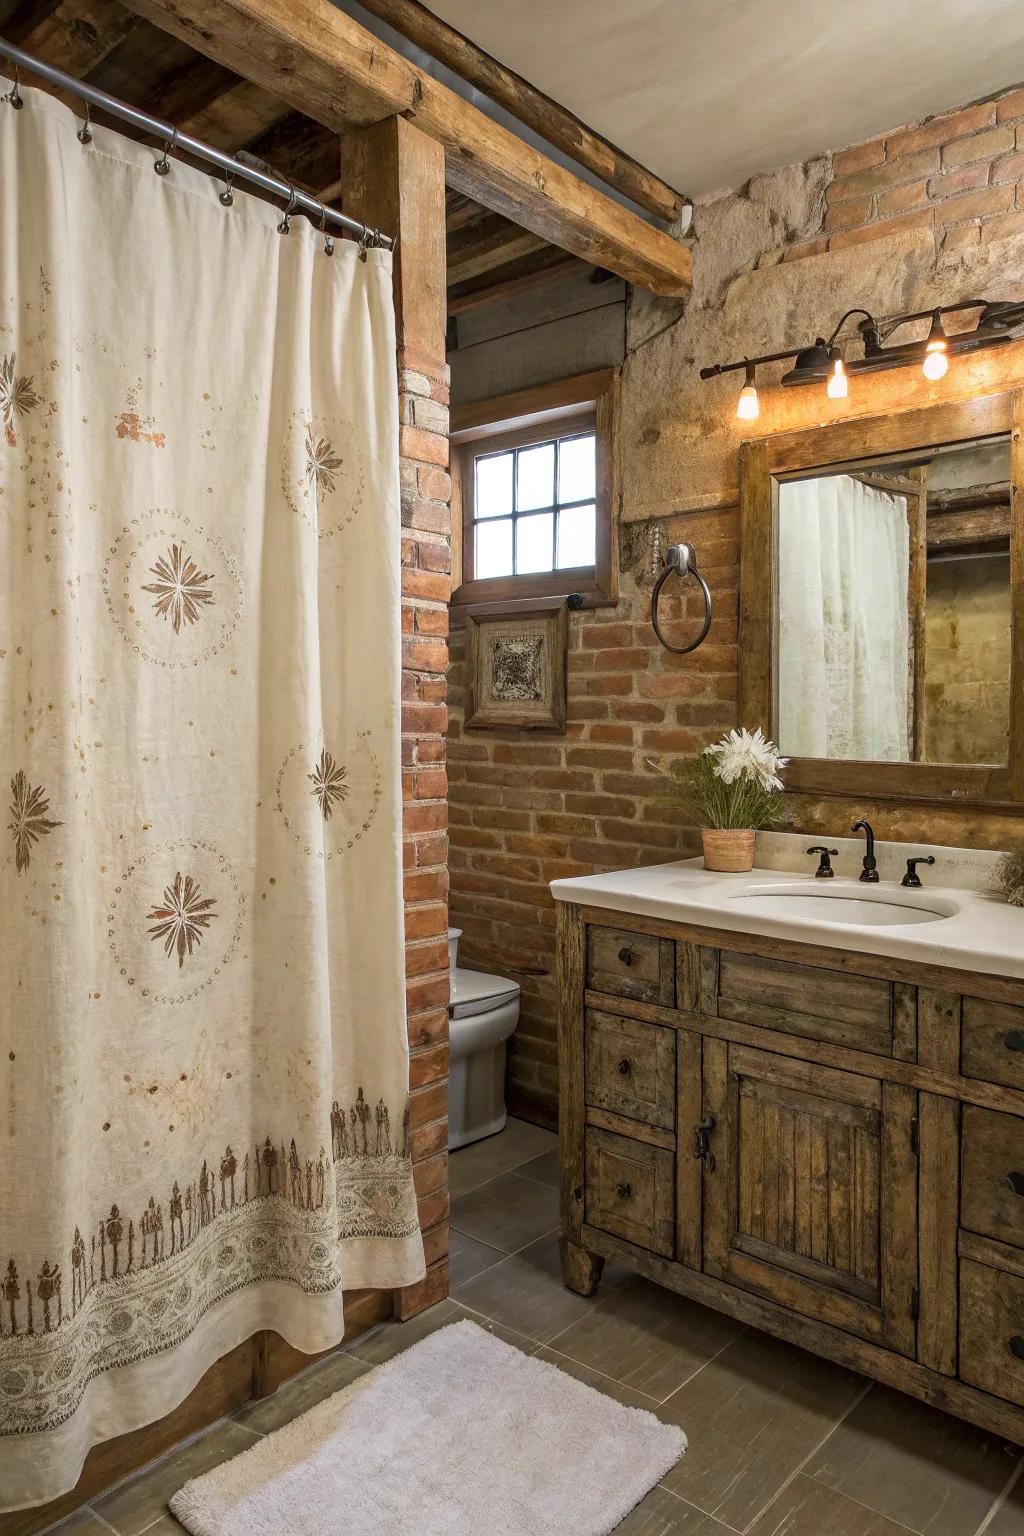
(708, 92)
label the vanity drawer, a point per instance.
(992, 1330)
(628, 964)
(630, 1190)
(992, 1042)
(992, 1183)
(808, 1000)
(631, 1068)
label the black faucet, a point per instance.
(912, 878)
(870, 871)
(824, 870)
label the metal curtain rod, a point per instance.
(173, 138)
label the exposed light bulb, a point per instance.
(936, 363)
(936, 352)
(838, 386)
(748, 407)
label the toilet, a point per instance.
(482, 1013)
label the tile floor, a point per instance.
(781, 1443)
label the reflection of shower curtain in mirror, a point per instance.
(203, 1063)
(843, 638)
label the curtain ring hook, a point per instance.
(293, 201)
(364, 241)
(163, 165)
(227, 197)
(85, 132)
(328, 239)
(14, 96)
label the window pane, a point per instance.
(493, 547)
(576, 468)
(533, 543)
(494, 486)
(536, 485)
(576, 537)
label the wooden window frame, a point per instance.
(586, 402)
(834, 448)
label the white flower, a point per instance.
(742, 754)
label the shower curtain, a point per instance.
(843, 570)
(203, 1062)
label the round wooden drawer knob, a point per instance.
(1016, 1182)
(1014, 1040)
(624, 1190)
(1017, 1346)
(624, 1066)
(626, 955)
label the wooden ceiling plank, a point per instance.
(546, 266)
(323, 63)
(494, 251)
(73, 35)
(553, 122)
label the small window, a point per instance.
(533, 508)
(535, 488)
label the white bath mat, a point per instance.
(461, 1435)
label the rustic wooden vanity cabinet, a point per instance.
(825, 1144)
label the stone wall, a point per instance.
(921, 216)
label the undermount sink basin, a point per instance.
(842, 906)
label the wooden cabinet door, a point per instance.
(812, 1196)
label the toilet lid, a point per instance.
(476, 992)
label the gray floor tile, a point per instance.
(136, 1505)
(807, 1508)
(648, 1338)
(545, 1169)
(753, 1415)
(507, 1213)
(663, 1514)
(168, 1526)
(472, 1166)
(922, 1468)
(467, 1257)
(615, 1389)
(294, 1397)
(82, 1523)
(1008, 1519)
(525, 1292)
(390, 1339)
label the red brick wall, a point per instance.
(960, 175)
(527, 808)
(426, 587)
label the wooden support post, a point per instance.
(394, 180)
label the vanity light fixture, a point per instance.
(748, 407)
(822, 361)
(936, 350)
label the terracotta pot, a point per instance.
(730, 852)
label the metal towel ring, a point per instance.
(681, 559)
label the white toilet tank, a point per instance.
(483, 1011)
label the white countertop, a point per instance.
(977, 932)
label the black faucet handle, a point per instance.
(912, 878)
(824, 870)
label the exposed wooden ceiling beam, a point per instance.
(554, 123)
(72, 35)
(536, 271)
(489, 244)
(327, 66)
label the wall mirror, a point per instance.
(880, 603)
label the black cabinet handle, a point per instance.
(1014, 1039)
(701, 1143)
(623, 1189)
(626, 954)
(1016, 1182)
(624, 1066)
(1016, 1346)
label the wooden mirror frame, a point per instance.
(793, 455)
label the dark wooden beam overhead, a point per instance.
(491, 243)
(325, 65)
(72, 35)
(554, 123)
